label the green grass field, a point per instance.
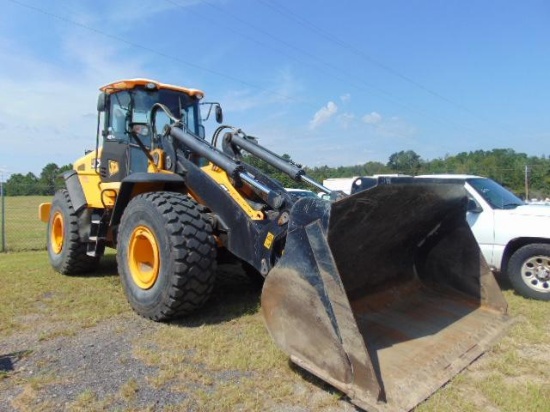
(228, 336)
(23, 229)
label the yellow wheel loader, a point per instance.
(383, 294)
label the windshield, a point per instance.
(136, 105)
(494, 194)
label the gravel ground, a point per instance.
(51, 366)
(98, 360)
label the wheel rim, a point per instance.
(535, 272)
(143, 257)
(56, 233)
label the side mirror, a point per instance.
(473, 207)
(102, 102)
(219, 113)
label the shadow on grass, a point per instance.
(8, 361)
(234, 295)
(321, 384)
(107, 267)
(503, 281)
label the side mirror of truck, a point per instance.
(473, 207)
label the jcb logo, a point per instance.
(269, 240)
(113, 167)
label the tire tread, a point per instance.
(76, 261)
(193, 250)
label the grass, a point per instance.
(23, 229)
(32, 293)
(223, 358)
(513, 376)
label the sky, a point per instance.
(329, 83)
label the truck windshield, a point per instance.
(494, 194)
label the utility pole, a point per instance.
(527, 176)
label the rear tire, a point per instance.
(529, 271)
(66, 251)
(166, 255)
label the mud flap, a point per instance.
(384, 294)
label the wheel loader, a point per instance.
(383, 294)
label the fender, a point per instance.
(76, 193)
(138, 183)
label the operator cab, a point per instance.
(127, 134)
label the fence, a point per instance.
(20, 227)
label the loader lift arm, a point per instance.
(267, 236)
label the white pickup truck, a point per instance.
(513, 236)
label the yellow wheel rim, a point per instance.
(143, 257)
(56, 233)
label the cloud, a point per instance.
(323, 115)
(372, 118)
(346, 119)
(393, 127)
(48, 106)
(397, 128)
(345, 98)
(280, 90)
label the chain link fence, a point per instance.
(20, 226)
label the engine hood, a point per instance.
(531, 210)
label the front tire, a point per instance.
(66, 251)
(166, 255)
(529, 271)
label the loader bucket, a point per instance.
(384, 294)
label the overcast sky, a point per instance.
(335, 83)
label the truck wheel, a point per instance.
(529, 271)
(66, 251)
(166, 255)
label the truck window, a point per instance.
(494, 194)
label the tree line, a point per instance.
(29, 184)
(516, 171)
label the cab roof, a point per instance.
(132, 83)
